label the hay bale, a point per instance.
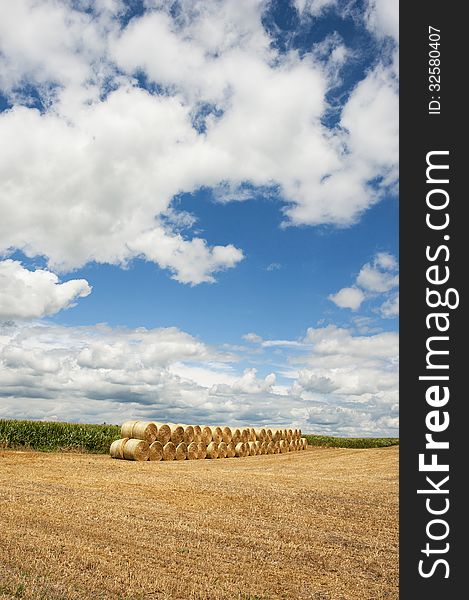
(264, 447)
(290, 435)
(126, 429)
(277, 435)
(231, 450)
(181, 451)
(206, 435)
(217, 434)
(177, 433)
(156, 451)
(201, 450)
(268, 435)
(235, 435)
(188, 434)
(117, 448)
(304, 443)
(252, 434)
(226, 434)
(212, 450)
(283, 444)
(258, 446)
(222, 450)
(240, 449)
(139, 430)
(135, 449)
(169, 451)
(260, 434)
(192, 451)
(164, 433)
(271, 448)
(299, 434)
(245, 435)
(197, 434)
(292, 446)
(252, 448)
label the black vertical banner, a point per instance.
(434, 427)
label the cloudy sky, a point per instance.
(199, 217)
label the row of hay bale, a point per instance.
(144, 440)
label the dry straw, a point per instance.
(252, 434)
(292, 446)
(202, 450)
(188, 436)
(226, 435)
(268, 435)
(240, 449)
(136, 450)
(177, 433)
(117, 448)
(235, 435)
(212, 450)
(260, 434)
(181, 451)
(271, 448)
(258, 446)
(156, 451)
(245, 435)
(206, 435)
(222, 450)
(231, 450)
(264, 447)
(252, 448)
(164, 433)
(139, 430)
(197, 434)
(169, 451)
(217, 434)
(192, 451)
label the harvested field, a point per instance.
(313, 525)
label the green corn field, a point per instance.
(50, 436)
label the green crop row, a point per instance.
(50, 436)
(337, 442)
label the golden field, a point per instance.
(314, 525)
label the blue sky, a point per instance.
(201, 212)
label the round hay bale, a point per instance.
(212, 450)
(135, 449)
(296, 434)
(292, 446)
(156, 451)
(222, 450)
(202, 450)
(290, 435)
(268, 435)
(192, 451)
(252, 434)
(252, 448)
(177, 433)
(197, 434)
(226, 434)
(299, 434)
(245, 435)
(188, 434)
(217, 435)
(126, 429)
(117, 448)
(240, 449)
(258, 446)
(264, 447)
(181, 451)
(164, 433)
(169, 451)
(304, 443)
(277, 435)
(235, 435)
(231, 450)
(283, 446)
(260, 434)
(271, 448)
(206, 435)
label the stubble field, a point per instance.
(316, 525)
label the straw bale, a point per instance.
(271, 448)
(235, 435)
(217, 434)
(258, 446)
(181, 451)
(201, 450)
(231, 450)
(240, 449)
(164, 433)
(212, 450)
(197, 434)
(206, 435)
(252, 434)
(245, 435)
(117, 448)
(283, 446)
(264, 447)
(260, 434)
(140, 430)
(222, 450)
(192, 451)
(156, 450)
(252, 448)
(188, 434)
(268, 435)
(226, 434)
(177, 433)
(135, 449)
(292, 446)
(169, 451)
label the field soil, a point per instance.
(314, 525)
